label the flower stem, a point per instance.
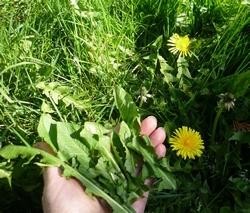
(218, 114)
(141, 102)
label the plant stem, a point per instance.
(218, 114)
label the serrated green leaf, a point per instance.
(104, 147)
(60, 136)
(143, 146)
(89, 139)
(13, 151)
(46, 130)
(59, 92)
(166, 69)
(95, 128)
(182, 66)
(125, 137)
(167, 180)
(126, 106)
(118, 149)
(69, 143)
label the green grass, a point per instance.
(87, 51)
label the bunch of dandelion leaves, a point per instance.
(101, 159)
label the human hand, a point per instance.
(61, 195)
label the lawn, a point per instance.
(65, 57)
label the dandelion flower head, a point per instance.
(179, 45)
(227, 100)
(187, 142)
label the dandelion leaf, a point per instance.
(11, 152)
(46, 130)
(126, 106)
(237, 84)
(154, 167)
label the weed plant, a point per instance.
(64, 57)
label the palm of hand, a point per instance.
(67, 196)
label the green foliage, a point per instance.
(237, 84)
(126, 106)
(67, 57)
(5, 173)
(87, 154)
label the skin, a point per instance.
(61, 195)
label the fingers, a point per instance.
(160, 150)
(140, 204)
(148, 125)
(157, 136)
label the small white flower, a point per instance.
(144, 95)
(227, 100)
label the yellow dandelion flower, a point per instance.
(179, 45)
(187, 142)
